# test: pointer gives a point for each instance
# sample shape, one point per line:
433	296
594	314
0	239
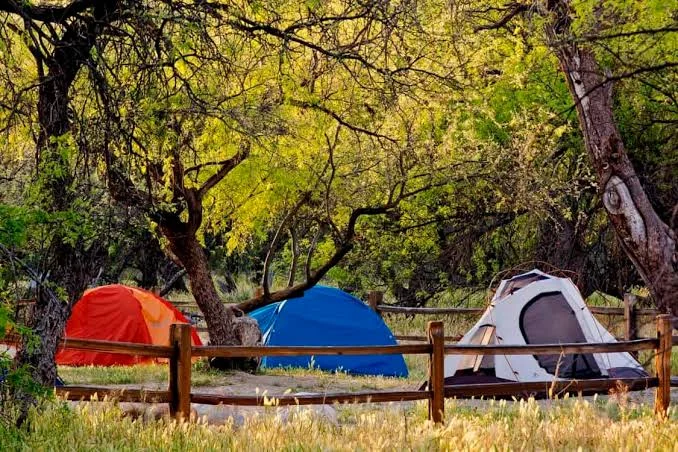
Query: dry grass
564	425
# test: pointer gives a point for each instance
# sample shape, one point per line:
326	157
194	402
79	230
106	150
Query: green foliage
336	115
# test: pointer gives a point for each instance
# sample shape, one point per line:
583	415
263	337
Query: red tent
122	314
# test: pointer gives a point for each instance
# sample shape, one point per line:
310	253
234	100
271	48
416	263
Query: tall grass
564	425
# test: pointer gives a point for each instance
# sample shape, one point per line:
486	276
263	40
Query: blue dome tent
328	316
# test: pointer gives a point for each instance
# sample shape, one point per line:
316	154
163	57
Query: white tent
537	308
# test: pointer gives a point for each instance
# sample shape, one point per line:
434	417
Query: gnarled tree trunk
69	264
647	240
222	324
189	251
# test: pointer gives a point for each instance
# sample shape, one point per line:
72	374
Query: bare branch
337	117
295	256
226	168
276	238
48	14
173	280
516	9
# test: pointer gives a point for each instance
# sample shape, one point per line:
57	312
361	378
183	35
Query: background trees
516	73
600	48
161	101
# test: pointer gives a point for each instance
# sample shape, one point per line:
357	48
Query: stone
247	331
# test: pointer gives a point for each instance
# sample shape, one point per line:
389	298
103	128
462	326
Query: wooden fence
180	354
631	313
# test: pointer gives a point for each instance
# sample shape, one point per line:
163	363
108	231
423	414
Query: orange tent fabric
122	314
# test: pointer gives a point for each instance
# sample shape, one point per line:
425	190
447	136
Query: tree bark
186	247
70	264
296	290
647	240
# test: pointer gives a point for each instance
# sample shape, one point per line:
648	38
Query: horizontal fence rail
122	395
551	349
404	337
428	311
124	348
259	351
556	387
128	348
311	399
603	310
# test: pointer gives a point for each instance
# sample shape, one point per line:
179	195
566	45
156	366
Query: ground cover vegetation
415	147
565	425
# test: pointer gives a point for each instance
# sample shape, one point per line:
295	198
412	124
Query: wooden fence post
663	365
436	372
374	299
180	371
630	323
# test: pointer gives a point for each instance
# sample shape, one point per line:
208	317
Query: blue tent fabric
328	316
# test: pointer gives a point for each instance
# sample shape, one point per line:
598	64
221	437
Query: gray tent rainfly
537	308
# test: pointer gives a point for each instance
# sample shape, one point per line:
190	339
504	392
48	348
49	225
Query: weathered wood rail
181	352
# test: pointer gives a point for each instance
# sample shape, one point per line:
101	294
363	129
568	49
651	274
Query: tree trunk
185	246
646	239
69	264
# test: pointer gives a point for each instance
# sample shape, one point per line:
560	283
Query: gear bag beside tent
537	308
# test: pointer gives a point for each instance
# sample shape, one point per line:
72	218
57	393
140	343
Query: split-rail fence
181	353
630	312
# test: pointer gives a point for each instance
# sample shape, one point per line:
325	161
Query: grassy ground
564	425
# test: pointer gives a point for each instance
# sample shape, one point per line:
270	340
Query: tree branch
226	168
274	243
339	119
295	256
173	280
313	277
48	14
516	9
